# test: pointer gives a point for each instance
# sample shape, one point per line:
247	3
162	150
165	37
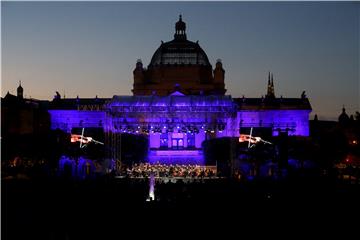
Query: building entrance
177	141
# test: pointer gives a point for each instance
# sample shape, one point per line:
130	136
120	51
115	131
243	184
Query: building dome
180	50
181	66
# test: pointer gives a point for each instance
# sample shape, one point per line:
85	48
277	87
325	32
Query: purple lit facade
178	104
290	115
176	125
66	120
295	122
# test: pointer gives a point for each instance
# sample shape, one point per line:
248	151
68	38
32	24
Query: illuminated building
179	102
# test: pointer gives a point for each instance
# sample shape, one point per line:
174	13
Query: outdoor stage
169	172
175	179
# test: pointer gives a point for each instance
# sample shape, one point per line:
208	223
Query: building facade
179	102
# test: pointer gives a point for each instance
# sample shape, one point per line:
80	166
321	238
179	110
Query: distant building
344	119
350	127
23	116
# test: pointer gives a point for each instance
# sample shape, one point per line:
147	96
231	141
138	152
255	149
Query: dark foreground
113	208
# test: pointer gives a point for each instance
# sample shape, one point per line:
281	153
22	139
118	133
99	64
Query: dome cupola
180	28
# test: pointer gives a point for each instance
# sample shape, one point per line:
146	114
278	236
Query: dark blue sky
90	48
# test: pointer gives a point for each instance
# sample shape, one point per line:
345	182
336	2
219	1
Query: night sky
90	48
